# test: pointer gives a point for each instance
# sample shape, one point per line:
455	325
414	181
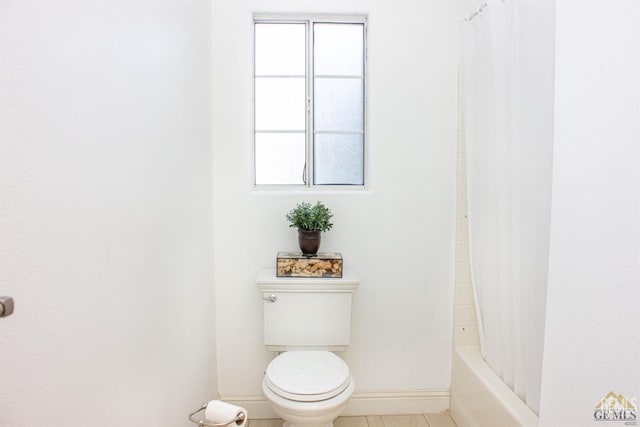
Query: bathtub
480	398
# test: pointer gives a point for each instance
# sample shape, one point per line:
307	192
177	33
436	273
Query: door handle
272	297
6	306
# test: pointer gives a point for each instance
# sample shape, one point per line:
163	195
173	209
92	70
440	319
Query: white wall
398	236
105	212
592	338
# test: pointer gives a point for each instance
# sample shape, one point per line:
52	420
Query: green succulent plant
310	217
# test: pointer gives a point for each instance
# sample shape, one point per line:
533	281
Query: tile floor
427	420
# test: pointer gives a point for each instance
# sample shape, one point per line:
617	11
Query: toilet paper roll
219	412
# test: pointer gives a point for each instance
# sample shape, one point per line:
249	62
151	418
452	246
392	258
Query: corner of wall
465	325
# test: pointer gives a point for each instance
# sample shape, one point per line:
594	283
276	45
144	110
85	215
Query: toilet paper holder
238	420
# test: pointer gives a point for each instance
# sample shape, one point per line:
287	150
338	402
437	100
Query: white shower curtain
507	97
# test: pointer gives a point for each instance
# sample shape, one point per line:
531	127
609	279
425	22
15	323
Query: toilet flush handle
272	297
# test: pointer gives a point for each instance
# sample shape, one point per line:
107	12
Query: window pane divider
279	131
280	76
309	166
339	132
337	76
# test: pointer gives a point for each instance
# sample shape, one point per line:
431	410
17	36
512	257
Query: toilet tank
306	313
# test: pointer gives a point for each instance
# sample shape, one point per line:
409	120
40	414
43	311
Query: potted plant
311	221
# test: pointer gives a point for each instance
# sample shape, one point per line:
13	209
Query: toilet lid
307	376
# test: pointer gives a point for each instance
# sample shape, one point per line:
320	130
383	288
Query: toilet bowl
308	388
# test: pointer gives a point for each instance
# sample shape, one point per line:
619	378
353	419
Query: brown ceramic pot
309	242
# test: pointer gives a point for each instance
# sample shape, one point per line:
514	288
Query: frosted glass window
280	158
339	49
338	104
339	159
280	103
280	49
309	100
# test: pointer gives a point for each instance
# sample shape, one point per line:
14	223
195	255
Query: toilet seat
307	376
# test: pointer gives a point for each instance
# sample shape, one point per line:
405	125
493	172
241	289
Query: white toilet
307	320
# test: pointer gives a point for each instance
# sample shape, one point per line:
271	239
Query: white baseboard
378	403
395	403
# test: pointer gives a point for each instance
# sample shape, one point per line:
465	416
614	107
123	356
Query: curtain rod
478	11
479	8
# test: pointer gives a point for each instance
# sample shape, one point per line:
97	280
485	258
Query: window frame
309	20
